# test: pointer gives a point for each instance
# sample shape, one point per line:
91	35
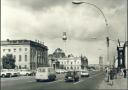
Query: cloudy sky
46	20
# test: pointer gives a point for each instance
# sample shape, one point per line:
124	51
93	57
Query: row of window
70	62
14	50
22	67
77	67
20	58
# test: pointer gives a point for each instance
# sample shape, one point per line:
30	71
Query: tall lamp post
106	22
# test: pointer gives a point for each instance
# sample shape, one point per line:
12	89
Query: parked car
71	76
25	72
60	71
85	73
9	73
14	72
4	73
45	73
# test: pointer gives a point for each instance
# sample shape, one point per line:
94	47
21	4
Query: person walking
111	76
115	73
107	74
124	73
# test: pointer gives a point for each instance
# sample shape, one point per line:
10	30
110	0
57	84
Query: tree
8	62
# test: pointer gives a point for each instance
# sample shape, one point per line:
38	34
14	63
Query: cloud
47	19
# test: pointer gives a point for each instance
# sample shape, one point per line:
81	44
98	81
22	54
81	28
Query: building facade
73	63
122	55
28	54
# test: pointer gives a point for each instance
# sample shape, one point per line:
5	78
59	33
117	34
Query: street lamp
106	22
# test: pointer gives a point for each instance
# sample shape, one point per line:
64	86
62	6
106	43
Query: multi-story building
28	54
73	63
101	63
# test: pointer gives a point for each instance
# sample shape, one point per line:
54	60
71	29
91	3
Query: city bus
45	73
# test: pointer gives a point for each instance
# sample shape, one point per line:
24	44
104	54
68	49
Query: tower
64	38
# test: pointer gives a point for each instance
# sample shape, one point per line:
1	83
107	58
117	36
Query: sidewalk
119	83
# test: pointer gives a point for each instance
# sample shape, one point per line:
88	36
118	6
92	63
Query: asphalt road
29	83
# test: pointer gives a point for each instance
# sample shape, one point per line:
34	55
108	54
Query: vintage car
72	76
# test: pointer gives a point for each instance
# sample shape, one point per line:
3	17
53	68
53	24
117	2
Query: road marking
78	82
90	77
87	78
32	81
53	81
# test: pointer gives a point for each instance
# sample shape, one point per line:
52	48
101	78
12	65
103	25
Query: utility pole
107	39
105	19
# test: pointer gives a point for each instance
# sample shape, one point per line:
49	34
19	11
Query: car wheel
3	75
54	78
37	80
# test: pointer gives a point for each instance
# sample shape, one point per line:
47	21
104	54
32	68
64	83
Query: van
45	73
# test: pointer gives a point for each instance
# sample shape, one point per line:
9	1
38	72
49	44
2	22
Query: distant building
101	62
53	62
73	63
58	60
28	54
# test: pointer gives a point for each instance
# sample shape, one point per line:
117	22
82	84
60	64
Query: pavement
29	83
118	84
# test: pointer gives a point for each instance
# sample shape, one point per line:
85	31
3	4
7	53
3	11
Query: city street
64	45
29	83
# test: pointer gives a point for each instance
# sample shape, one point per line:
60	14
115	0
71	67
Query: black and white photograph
64	45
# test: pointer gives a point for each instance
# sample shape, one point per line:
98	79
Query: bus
45	73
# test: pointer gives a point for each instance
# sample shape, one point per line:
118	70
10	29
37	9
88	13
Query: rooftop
23	42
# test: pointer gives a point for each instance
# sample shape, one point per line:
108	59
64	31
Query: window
77	67
19	49
25	66
14	50
71	62
19	66
3	50
25	57
74	67
25	49
67	67
9	50
71	67
19	57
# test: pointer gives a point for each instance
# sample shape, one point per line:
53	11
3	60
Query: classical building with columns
28	54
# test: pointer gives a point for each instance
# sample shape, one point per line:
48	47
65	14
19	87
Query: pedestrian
111	76
107	74
115	73
124	73
121	73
